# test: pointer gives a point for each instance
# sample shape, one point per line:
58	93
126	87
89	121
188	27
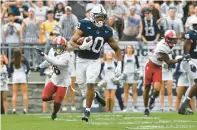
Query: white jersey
4	78
129	64
161	47
60	65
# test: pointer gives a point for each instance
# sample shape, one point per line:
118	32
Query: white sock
25	109
88	109
13	109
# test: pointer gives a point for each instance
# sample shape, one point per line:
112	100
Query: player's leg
119	92
48	92
107	100
59	97
5	104
15	87
134	91
126	95
157	80
81	67
147	85
72	94
24	87
169	90
92	74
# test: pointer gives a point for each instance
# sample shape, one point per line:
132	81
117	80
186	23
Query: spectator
173	23
30	30
79	8
111	23
88	15
19	9
118	12
12	30
4	81
40	9
132	26
92	4
150	28
188	13
68	23
107	74
19	69
172	3
167	80
155	11
58	11
46	29
189	19
130	61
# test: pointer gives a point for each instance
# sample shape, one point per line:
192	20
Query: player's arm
64	61
44	64
187	44
113	44
72	44
167	59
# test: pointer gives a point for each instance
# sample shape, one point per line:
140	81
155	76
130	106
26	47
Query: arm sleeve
11	69
26	63
63	61
44	64
137	62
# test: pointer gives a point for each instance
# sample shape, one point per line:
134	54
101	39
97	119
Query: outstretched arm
166	58
63	61
113	44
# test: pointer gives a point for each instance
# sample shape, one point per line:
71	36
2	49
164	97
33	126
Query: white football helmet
97	12
194	24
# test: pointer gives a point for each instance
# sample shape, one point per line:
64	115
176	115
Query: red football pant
152	73
50	89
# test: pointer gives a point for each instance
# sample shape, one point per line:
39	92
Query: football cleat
54	116
86	116
146	112
185	109
13	112
100	99
151	103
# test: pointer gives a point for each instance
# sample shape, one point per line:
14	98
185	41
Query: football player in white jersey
60	78
153	68
190	66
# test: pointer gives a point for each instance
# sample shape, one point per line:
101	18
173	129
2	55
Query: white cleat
73	108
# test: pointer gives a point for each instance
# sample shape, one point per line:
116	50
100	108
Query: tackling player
88	63
153	68
60	78
190	66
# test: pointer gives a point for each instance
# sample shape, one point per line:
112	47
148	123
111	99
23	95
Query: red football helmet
59	44
170	38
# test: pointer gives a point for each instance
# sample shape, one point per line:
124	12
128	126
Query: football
80	40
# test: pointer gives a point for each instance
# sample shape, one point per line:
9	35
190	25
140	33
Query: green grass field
100	121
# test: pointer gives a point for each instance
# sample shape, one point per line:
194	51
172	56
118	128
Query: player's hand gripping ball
81	40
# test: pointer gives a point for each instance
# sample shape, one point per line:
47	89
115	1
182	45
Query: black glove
40	51
187	57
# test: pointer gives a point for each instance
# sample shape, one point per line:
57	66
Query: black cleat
24	112
86	116
151	103
13	112
100	99
54	116
146	112
185	109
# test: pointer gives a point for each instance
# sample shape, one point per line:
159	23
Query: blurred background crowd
27	24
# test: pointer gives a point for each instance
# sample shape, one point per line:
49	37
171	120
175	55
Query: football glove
40	52
86	44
